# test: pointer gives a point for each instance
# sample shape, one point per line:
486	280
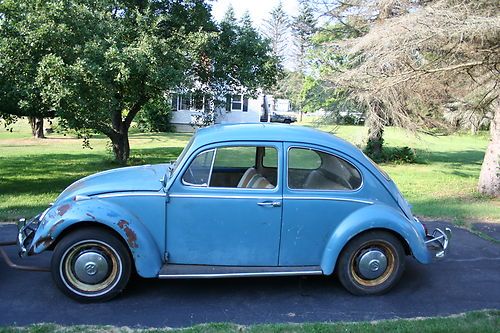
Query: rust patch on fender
131	236
63	209
54	227
44	241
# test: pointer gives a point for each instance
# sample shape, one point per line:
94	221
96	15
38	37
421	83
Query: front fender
377	216
139	240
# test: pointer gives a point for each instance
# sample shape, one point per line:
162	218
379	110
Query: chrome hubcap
91	267
372	264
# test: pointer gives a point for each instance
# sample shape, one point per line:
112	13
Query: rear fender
377	216
144	250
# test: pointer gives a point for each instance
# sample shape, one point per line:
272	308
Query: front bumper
26	233
437	242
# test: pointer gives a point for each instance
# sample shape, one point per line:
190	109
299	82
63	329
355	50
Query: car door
225	206
322	188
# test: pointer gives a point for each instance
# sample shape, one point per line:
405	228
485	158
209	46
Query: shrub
398	155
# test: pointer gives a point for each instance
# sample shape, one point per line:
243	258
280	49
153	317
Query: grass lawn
441	185
479	321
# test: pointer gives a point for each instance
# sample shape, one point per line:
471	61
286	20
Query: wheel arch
144	251
373	218
91	224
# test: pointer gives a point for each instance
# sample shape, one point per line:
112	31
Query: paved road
468	279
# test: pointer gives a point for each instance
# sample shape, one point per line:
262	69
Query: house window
239	103
188	102
185	102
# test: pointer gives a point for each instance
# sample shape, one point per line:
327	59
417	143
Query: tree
276	28
303	28
293	85
411	65
100	62
351	21
26	35
236	61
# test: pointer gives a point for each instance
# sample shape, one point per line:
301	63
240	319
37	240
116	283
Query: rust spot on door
131	236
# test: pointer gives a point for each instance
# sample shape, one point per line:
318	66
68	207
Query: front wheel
91	265
371	263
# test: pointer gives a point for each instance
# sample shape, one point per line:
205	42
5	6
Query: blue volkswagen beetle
241	200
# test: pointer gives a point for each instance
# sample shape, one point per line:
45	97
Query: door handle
269	203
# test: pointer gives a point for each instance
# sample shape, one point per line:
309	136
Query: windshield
181	156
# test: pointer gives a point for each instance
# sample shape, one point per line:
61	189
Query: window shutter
228	103
245	104
174	102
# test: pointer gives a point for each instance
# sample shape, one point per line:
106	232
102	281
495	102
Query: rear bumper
437	242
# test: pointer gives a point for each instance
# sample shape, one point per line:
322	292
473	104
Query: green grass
479	321
442	185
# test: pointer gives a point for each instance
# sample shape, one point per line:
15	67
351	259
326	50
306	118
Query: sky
259	9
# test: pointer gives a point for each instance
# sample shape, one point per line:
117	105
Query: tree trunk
375	141
121	147
36	127
120	127
119	138
489	178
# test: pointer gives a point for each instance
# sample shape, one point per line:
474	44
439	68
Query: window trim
185	183
321	190
270	144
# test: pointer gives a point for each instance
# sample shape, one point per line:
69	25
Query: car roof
271	132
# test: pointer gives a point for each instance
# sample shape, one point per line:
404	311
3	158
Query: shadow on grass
39	174
460	210
454	158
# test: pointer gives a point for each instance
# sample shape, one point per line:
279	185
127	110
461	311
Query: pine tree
276	28
303	28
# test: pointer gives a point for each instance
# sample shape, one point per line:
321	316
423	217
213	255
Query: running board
173	271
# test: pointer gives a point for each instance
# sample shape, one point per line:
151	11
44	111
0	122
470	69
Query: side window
299	158
235	157
198	173
316	170
234	167
270	159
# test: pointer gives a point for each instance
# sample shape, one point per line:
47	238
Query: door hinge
165	257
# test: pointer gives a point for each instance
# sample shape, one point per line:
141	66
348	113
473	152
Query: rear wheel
91	265
371	263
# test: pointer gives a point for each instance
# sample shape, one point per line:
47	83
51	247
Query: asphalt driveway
468	279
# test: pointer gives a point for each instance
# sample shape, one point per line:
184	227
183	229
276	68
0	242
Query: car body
285	118
241	200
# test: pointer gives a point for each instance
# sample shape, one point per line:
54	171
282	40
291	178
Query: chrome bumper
438	242
26	232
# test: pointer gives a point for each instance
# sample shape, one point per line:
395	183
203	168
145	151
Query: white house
188	108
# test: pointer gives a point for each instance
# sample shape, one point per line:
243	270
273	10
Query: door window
251	167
